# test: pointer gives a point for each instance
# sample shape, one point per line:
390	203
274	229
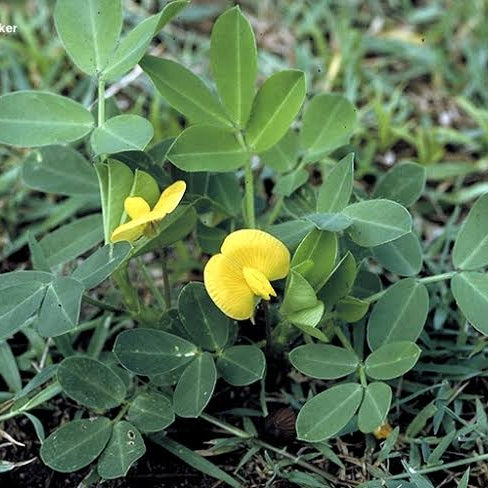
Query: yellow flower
383	431
240	275
141	214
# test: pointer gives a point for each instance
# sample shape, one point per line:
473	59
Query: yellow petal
227	288
169	199
130	231
136	207
256	249
258	283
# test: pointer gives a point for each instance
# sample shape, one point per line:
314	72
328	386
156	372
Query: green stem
129	292
426	280
249	189
439	277
258	442
225	426
275	212
152	285
122	412
297	461
443	467
342	337
101	102
362	377
101	305
166	284
46	394
269	332
250	216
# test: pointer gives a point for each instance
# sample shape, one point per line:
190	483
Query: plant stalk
101	102
426	280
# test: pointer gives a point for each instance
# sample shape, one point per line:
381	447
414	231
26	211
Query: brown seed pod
280	425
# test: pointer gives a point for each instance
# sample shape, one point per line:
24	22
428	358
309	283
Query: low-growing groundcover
235	295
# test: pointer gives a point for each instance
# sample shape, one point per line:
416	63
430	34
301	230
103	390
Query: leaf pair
78	443
55	300
213	145
199	324
327	413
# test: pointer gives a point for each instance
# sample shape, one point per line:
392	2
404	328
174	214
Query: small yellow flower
383	431
141	214
240	275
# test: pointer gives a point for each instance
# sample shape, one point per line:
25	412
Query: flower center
258	283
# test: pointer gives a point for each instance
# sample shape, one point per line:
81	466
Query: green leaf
21	294
145	186
366	284
185	91
170	10
335	192
288	184
195	387
60	308
319	247
76	444
36	118
131	49
283	156
277	103
351	309
195	460
134	45
9	370
115	180
101	264
91	383
327	413
392	360
404	183
38	258
204	322
59	169
328	122
71	240
205	148
122	133
234	63
470	290
220	192
374	409
399	315
144	161
329	221
210	238
291	233
463	483
340	281
299	294
125	447
149	352
151	412
308	318
324	361
241	365
402	256
89	31
377	222
471	246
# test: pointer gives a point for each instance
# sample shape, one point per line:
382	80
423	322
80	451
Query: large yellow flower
141	214
240	275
